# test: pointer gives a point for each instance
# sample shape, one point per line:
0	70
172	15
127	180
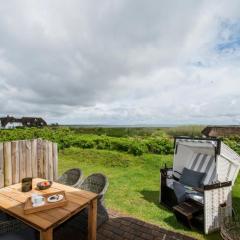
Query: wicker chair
72	177
9	224
13	229
97	183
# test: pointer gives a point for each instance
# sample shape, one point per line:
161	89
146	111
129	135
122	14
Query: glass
26	184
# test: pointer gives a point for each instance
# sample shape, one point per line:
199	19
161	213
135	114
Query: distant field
188	130
132	140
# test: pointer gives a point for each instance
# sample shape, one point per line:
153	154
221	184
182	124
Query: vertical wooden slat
7	163
55	161
40	158
50	161
15	162
1	166
22	159
34	158
28	159
45	159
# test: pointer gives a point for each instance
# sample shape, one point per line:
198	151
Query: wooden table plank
58	186
12	201
21	198
74	202
85	194
15	209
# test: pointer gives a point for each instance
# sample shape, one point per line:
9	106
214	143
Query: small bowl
40	187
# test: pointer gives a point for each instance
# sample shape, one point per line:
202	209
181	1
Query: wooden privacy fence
27	158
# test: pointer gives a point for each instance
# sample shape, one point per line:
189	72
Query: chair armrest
164	171
217	185
201	190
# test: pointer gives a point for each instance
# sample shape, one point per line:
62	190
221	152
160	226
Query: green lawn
134	183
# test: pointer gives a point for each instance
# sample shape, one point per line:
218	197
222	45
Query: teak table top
12	201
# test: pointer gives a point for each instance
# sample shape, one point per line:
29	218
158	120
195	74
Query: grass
134	183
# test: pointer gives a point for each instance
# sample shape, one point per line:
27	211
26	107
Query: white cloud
121	62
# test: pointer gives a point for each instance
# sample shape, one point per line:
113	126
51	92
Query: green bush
137	148
233	142
66	137
119	144
103	143
161	145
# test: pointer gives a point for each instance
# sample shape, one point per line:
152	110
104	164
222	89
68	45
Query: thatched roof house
221	131
12	122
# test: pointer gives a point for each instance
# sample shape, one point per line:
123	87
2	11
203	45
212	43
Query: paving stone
123	227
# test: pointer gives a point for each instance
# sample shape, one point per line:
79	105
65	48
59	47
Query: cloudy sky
121	61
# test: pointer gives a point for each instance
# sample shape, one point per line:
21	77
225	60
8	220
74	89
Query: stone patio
122	227
119	227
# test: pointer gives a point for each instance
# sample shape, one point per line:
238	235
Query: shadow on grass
236	205
153	197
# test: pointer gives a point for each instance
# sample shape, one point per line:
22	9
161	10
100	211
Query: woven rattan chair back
72	177
97	183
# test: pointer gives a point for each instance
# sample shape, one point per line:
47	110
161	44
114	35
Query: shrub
160	145
137	148
66	137
119	144
233	142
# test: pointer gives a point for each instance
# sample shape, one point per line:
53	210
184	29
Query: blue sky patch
229	37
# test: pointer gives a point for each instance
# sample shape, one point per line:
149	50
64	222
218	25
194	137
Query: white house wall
13	125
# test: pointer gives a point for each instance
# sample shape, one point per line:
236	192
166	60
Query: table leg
46	235
92	220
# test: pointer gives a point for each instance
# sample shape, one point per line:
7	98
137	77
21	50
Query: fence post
22	159
45	160
39	158
15	162
28	159
34	158
55	161
7	163
50	161
1	166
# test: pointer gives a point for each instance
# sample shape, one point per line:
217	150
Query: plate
55	198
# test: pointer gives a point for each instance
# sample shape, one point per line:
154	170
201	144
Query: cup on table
37	200
26	184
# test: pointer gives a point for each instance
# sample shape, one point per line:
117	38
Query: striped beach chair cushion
204	163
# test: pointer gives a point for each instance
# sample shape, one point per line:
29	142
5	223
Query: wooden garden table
12	202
